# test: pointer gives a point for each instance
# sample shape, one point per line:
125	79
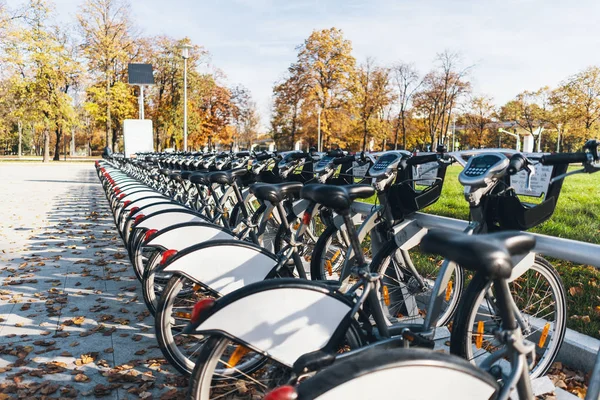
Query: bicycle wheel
305	250
406	291
228	370
540	297
329	254
173	313
153	283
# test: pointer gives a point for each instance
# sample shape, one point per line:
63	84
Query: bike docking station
137	133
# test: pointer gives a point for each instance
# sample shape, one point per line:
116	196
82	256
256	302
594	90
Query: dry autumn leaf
78	320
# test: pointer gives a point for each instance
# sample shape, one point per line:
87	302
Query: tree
478	120
326	65
45	70
289	96
370	94
440	92
405	80
109	44
529	110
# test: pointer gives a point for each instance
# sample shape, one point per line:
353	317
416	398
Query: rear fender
282	318
188	234
223	266
147	211
124	212
159	221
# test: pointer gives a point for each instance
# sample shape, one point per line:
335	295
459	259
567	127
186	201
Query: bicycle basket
415	192
508	212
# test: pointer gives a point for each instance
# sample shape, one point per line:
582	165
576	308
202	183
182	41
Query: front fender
185	235
282	318
223	265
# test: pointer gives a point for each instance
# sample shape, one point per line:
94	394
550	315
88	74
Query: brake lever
530	171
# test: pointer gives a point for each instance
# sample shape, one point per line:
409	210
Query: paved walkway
72	321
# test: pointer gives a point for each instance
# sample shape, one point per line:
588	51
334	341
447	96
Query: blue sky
513	45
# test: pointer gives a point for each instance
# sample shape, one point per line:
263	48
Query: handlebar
422	159
517	163
263	157
563	158
299	156
343	160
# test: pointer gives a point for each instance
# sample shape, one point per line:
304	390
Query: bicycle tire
210	356
462	334
380	265
163	327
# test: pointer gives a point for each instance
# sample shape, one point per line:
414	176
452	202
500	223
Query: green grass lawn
577	217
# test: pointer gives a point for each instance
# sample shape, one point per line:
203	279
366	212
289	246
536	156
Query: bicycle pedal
417	340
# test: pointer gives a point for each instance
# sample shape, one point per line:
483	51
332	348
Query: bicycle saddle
488	253
275	193
186	174
200	178
336	197
226	177
176	176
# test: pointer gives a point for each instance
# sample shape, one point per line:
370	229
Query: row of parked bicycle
266	278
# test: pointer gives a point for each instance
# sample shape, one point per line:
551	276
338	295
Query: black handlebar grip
263	157
242	154
563	158
343	160
416	160
298	156
517	163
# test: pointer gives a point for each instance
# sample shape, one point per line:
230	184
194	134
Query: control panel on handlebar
387	161
482	167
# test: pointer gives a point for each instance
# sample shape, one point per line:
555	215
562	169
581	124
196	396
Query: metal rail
563	249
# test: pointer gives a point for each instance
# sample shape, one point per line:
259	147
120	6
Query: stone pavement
72	320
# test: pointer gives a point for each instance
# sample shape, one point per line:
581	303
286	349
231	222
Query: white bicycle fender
223	268
521	265
284	322
186	236
449	384
408	234
151	209
165	219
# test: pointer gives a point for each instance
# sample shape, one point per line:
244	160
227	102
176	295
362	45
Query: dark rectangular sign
140	74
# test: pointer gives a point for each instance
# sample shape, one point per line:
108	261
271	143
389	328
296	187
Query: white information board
359	171
539	181
425	173
137	136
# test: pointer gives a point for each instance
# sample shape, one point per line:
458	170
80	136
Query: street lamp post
319	129
185	55
558	126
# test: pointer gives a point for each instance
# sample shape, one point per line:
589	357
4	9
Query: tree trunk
46	145
109	135
20	149
365	132
57	146
403	130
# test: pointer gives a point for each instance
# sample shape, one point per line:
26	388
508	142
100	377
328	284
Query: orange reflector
296	225
336	255
237	355
186	315
386	295
448	291
479	336
544	335
328	267
197	287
